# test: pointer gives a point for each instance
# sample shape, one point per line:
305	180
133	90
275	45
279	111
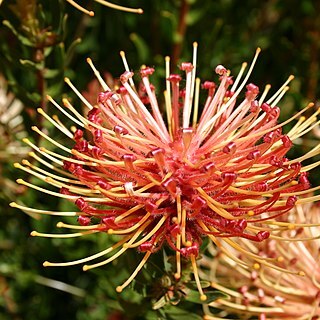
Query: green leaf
25	41
194	16
176	313
141	46
31	65
55	89
160	303
194	296
71	50
51	73
193	285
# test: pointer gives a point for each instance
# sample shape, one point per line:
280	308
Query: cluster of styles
217	169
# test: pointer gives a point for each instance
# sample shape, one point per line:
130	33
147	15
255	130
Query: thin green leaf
194	296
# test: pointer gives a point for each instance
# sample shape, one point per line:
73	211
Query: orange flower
269	293
223	176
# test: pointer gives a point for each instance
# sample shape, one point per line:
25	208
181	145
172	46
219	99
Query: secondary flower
268	293
11	132
222	175
104	3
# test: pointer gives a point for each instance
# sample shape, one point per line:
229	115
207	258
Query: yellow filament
230	292
59	156
38	211
261	133
75	189
78	7
110	133
203	297
97	161
315	151
61	224
179	209
237	306
187	101
233	244
97	75
125	231
19	166
146	187
68	105
177	275
290	78
120	8
296	127
121	251
280	96
127	213
236	82
133	275
264	94
194	63
249	192
183	225
76	91
49	174
95	256
309	126
296	239
49	165
148	236
60	123
232	99
215	206
56	194
228	253
168	112
310	167
62	110
156	182
196	103
126	66
278	287
61	236
54	182
28	142
55	123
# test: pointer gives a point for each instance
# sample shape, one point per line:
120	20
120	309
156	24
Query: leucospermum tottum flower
176	180
268	293
11	132
11	124
107	4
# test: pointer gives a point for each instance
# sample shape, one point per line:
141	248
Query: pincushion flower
11	132
175	180
268	293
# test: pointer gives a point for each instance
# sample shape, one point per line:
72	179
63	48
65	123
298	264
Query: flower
11	122
105	3
175	181
11	131
269	293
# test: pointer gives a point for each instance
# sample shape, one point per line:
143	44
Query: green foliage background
43	41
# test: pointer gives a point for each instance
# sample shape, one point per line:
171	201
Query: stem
180	33
41	88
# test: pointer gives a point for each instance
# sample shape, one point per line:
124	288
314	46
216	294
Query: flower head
268	293
11	131
175	181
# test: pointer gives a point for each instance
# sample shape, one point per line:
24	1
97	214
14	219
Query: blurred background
43	41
